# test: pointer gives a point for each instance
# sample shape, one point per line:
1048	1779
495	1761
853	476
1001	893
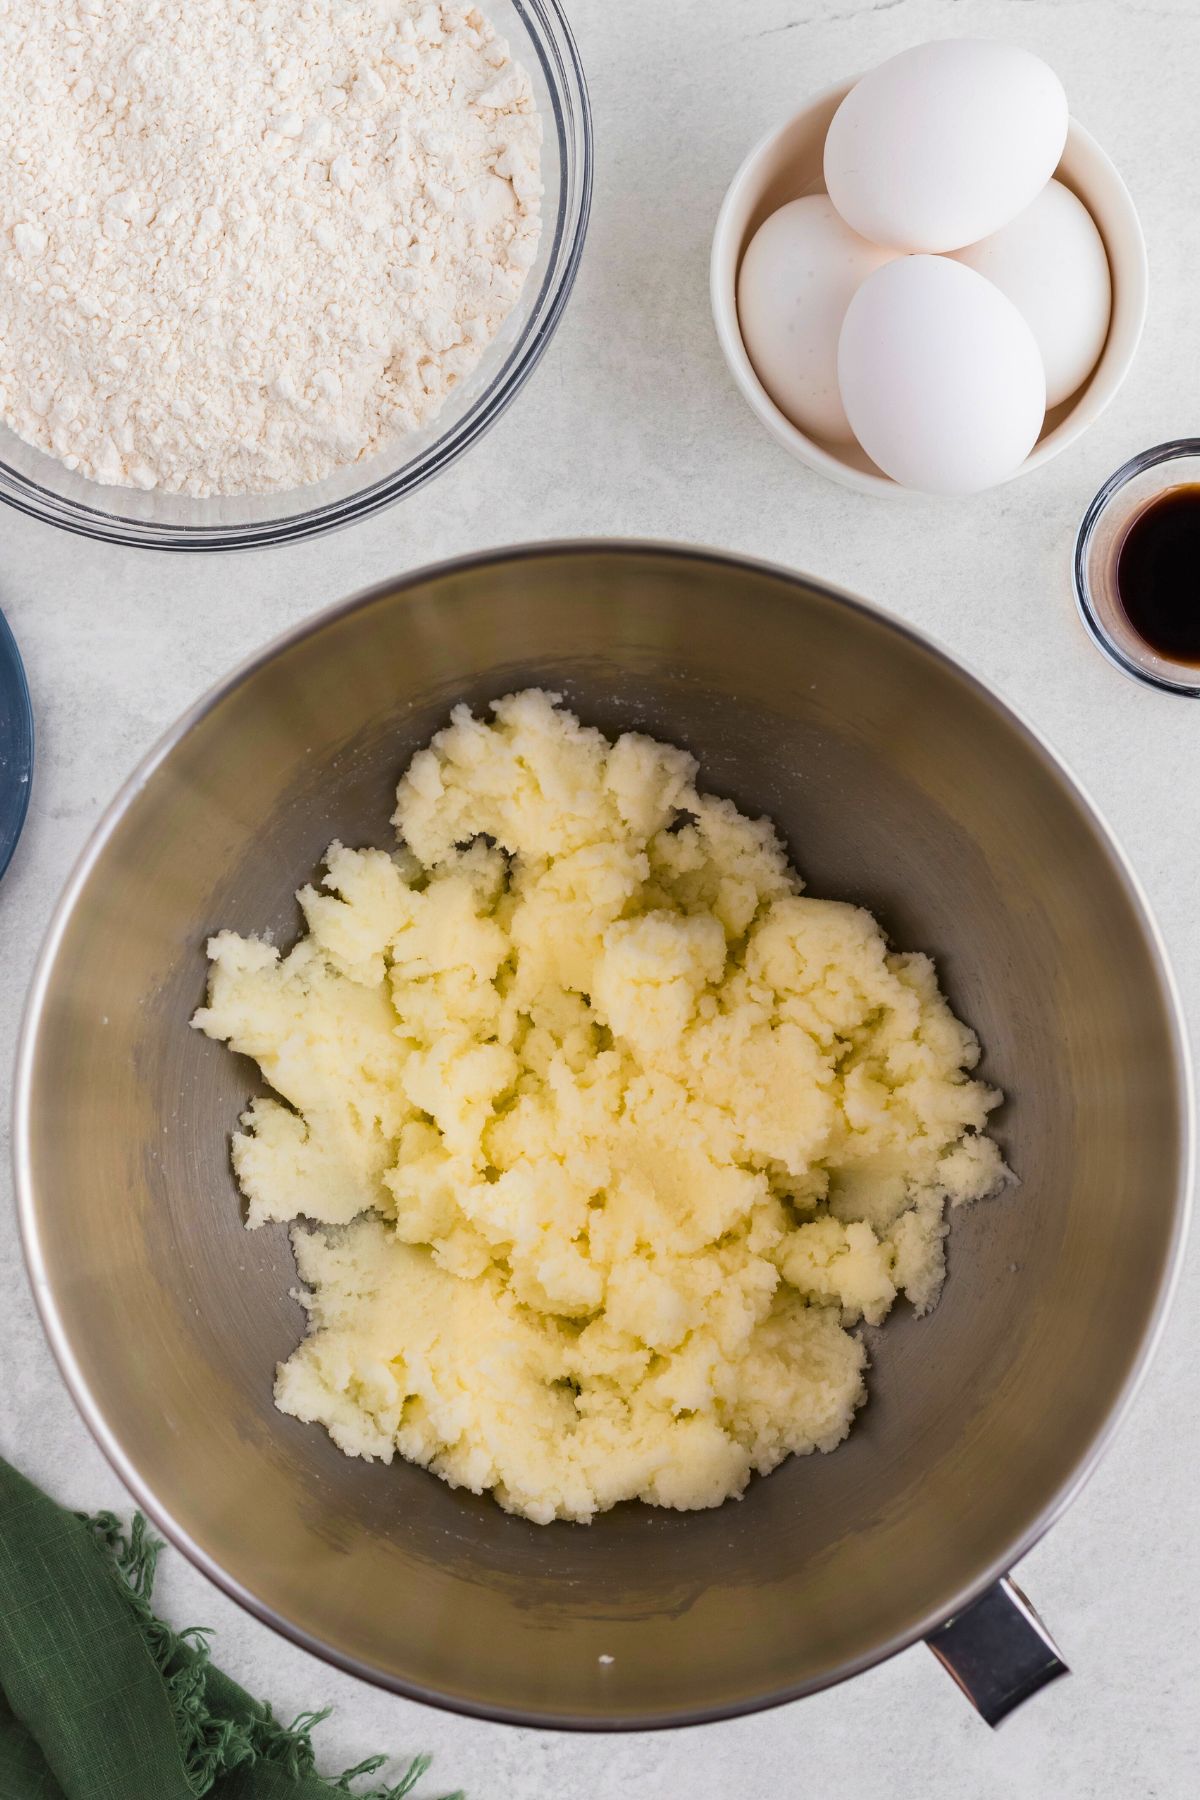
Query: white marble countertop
632	426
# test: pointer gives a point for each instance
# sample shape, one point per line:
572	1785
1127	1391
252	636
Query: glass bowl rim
571	127
1171	450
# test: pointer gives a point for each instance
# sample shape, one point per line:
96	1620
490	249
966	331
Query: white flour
245	242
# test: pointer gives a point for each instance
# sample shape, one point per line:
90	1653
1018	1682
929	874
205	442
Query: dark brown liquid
1158	574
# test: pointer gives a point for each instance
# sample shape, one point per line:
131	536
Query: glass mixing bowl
41	486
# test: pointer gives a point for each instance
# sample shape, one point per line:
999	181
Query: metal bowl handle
998	1651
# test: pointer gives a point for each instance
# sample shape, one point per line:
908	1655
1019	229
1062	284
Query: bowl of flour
265	270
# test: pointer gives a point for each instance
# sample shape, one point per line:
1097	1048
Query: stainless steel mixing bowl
900	782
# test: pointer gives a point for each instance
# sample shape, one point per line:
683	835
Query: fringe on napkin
214	1746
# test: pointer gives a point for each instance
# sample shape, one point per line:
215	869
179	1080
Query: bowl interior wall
899	784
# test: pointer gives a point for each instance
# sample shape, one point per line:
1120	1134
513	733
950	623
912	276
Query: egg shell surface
800	272
941	378
1051	262
945	143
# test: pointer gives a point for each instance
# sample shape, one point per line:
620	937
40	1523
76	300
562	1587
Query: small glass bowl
40	485
1124	496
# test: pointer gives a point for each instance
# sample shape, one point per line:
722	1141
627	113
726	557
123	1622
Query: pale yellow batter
607	1136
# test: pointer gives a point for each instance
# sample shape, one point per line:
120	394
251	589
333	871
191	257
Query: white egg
798	276
1051	262
945	143
941	377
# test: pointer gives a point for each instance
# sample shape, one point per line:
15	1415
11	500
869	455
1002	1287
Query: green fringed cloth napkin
99	1700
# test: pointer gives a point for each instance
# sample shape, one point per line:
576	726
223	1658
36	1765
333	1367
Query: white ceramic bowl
787	164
